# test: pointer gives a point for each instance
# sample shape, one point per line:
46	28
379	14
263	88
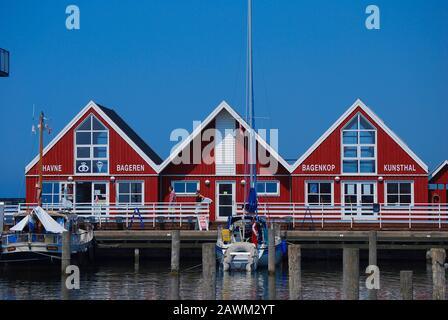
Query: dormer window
359	146
91	147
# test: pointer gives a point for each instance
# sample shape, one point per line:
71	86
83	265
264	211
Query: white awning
47	221
49	224
22	223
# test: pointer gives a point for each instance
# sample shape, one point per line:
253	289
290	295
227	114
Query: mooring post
272	295
406	285
295	269
271	249
65	251
173	292
373	293
136	256
209	270
65	262
438	273
175	250
350	290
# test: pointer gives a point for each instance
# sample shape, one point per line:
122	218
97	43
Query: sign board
203	223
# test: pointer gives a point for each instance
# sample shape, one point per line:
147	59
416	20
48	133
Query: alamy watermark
373	21
73	20
72	282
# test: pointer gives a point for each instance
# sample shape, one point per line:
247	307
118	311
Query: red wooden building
212	160
96	159
359	161
438	184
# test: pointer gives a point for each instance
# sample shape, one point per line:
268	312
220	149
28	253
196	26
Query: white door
358	199
225	200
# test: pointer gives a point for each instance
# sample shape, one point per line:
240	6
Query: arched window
91	147
359	146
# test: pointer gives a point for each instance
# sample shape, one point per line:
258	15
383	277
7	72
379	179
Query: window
441	187
50	193
185	187
130	193
91	147
359	146
319	193
399	193
268	188
432	186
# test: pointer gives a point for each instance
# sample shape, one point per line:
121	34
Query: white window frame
56	185
186	194
117	192
358	147
399	204
319	204
269	194
91	159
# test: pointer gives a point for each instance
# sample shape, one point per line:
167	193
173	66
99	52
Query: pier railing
153	213
433	215
381	214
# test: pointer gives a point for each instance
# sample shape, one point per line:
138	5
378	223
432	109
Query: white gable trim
376	119
69	126
222	106
437	170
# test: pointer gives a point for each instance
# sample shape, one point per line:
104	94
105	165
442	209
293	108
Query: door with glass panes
358	199
225	200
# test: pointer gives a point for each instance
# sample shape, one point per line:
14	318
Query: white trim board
109	121
437	170
222	106
375	118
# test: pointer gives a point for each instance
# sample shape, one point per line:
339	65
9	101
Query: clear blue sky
163	63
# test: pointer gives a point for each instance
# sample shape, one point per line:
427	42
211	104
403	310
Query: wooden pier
397	240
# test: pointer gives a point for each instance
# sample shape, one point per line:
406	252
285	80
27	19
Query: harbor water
150	280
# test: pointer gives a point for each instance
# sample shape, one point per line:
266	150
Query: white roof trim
437	170
109	121
376	119
222	106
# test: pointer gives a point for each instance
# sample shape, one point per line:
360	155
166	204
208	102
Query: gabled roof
222	106
376	119
438	168
118	124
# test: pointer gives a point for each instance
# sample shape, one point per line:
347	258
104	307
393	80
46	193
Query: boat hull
263	255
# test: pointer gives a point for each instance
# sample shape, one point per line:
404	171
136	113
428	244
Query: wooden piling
406	285
373	293
438	273
66	251
295	269
271	250
272	294
174	288
209	271
350	289
136	256
175	251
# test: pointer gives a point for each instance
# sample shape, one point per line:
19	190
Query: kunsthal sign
399	167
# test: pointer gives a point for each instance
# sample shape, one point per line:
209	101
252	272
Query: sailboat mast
252	148
41	154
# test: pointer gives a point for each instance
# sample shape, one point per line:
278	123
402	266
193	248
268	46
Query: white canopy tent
49	224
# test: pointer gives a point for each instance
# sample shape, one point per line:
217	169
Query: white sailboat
243	244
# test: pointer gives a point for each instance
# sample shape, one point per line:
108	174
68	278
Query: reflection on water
151	280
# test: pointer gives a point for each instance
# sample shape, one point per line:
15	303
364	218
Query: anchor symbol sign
99	165
83	167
